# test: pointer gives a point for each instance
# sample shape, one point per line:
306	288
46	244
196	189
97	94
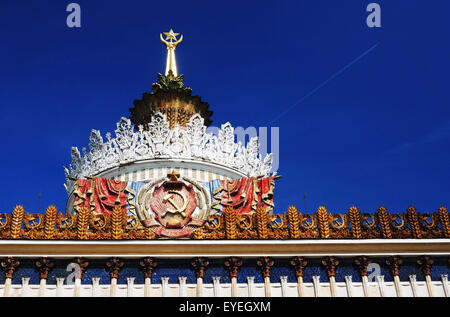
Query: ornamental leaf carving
191	142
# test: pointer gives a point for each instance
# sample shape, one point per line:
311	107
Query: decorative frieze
344	284
230	225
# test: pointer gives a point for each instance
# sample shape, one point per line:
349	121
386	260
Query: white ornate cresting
159	142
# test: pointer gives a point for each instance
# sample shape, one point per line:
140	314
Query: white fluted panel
224	289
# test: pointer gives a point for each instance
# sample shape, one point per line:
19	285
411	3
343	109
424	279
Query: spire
169	95
171	43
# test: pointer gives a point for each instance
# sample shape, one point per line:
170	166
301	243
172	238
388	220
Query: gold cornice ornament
171	43
86	225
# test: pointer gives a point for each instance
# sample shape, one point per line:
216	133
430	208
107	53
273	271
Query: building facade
167	209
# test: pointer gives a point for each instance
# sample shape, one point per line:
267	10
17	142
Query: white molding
172	163
131	290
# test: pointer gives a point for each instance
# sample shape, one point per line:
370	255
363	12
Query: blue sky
363	113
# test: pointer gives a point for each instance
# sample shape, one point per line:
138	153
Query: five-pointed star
171	35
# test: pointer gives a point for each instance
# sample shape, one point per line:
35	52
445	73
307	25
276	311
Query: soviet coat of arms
173	203
173	208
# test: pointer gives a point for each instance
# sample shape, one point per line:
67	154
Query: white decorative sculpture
159	142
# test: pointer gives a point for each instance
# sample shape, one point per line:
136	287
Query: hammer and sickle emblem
169	198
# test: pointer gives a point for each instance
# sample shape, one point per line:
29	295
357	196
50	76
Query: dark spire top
170	97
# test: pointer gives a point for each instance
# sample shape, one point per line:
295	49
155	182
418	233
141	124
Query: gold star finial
171	43
173	176
171	35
